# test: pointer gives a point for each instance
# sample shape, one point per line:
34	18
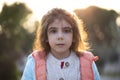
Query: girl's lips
60	45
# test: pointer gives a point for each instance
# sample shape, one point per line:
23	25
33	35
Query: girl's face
60	36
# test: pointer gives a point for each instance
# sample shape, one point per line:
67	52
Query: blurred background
20	18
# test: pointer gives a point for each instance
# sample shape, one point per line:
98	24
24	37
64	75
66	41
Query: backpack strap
40	65
86	60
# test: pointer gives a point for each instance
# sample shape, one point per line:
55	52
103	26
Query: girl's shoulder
38	54
81	53
88	55
30	59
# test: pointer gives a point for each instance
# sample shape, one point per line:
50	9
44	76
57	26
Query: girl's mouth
60	45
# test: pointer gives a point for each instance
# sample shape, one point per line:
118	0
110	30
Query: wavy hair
79	34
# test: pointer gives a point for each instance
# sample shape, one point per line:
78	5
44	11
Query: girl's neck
61	55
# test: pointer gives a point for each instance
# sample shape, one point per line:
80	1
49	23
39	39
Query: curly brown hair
79	34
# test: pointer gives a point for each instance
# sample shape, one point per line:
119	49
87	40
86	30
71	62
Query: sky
40	7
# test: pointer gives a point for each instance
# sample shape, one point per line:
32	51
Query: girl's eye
53	31
68	30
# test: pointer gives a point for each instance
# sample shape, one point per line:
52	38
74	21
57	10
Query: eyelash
65	31
53	31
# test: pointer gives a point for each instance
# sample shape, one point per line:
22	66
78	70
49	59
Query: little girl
60	52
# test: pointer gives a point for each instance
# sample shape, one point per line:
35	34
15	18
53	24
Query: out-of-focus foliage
103	32
14	39
100	24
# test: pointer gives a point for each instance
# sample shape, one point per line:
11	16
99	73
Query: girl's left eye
67	30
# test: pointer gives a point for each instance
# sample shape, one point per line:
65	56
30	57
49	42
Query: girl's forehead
58	22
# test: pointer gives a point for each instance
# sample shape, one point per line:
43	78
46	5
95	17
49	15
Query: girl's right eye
53	31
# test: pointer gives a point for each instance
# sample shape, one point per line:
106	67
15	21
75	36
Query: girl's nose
60	35
60	38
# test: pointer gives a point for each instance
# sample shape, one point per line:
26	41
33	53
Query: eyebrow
52	28
67	27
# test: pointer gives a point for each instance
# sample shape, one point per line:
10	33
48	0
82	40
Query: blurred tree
102	31
13	38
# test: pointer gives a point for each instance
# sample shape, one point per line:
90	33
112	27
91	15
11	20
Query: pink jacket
86	60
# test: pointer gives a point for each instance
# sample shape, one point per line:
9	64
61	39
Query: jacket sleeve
28	73
95	71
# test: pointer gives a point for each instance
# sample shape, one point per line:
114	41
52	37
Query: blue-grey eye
67	30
